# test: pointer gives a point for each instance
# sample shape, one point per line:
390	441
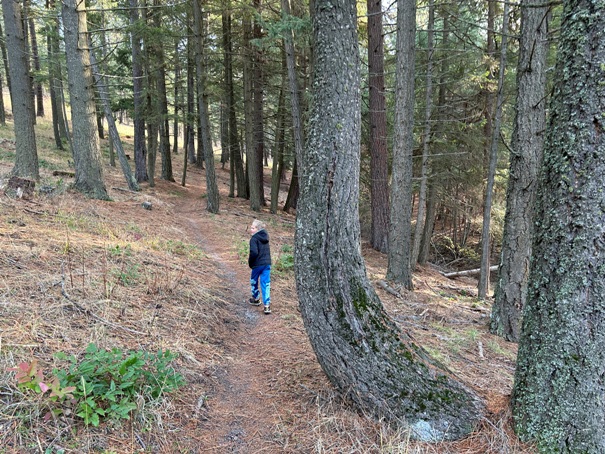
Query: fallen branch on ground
468	272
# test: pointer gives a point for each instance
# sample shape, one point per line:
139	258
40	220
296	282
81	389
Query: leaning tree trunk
560	382
359	348
511	289
86	152
114	135
26	155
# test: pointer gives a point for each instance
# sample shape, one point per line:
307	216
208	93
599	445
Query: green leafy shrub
103	385
127	275
107	383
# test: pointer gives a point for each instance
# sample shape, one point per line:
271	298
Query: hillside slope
75	271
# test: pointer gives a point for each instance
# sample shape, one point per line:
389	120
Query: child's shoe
267	309
254	302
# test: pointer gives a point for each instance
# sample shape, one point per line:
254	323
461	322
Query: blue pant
262	274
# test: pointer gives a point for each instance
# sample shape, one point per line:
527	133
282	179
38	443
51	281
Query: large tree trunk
360	349
140	151
559	384
26	155
527	140
86	152
212	195
483	285
379	172
399	266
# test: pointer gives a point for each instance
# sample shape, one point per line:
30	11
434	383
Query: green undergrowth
101	385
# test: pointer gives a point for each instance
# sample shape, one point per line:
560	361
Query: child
260	262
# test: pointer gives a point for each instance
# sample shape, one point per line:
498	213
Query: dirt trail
238	414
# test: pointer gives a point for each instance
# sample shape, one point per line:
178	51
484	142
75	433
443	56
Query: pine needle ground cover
86	282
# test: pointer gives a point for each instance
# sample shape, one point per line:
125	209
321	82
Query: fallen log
468	272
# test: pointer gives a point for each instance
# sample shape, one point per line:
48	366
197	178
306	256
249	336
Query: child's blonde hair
260	225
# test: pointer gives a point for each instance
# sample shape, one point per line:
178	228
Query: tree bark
26	155
379	172
280	130
56	112
114	135
483	286
510	293
559	384
140	151
212	195
257	199
55	83
360	349
399	256
162	97
86	153
36	60
190	134
178	103
236	166
295	101
5	57
426	139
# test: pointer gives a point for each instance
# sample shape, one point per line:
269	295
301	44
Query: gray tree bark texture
399	267
212	194
236	165
483	286
140	151
528	138
111	126
560	380
425	167
379	167
86	151
381	370
26	155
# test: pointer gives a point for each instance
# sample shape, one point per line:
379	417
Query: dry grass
75	271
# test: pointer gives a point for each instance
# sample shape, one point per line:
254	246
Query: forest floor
75	271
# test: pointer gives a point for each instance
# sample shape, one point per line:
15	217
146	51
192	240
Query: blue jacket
260	252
